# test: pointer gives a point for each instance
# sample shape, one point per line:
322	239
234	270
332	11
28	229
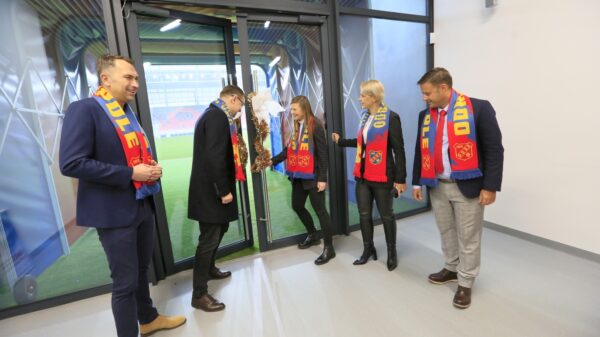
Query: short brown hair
108	60
437	76
232	90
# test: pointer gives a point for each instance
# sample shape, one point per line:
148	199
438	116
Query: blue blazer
90	150
489	150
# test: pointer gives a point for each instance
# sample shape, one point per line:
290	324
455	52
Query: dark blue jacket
489	150
90	150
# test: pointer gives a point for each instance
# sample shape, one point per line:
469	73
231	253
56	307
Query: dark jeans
208	243
317	200
365	193
129	252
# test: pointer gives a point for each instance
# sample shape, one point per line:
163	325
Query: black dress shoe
392	261
217	274
207	303
328	254
462	298
368	251
443	276
311	240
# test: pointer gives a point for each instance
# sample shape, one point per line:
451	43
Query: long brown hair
304	104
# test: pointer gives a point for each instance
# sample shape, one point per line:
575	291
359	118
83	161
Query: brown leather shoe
443	276
462	298
207	303
161	323
217	274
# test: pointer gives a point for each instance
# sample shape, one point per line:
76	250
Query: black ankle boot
311	240
368	251
392	261
328	254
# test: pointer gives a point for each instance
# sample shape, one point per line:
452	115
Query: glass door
187	60
286	50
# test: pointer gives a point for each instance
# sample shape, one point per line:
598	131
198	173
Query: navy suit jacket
90	150
489	150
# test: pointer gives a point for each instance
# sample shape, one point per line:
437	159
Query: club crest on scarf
375	157
462	141
300	153
239	170
133	139
375	146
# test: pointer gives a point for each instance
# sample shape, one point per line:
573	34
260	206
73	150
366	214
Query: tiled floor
524	290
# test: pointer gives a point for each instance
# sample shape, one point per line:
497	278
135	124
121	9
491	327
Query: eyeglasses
240	99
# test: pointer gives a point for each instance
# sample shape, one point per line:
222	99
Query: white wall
538	62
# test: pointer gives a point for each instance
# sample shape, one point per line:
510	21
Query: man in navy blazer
458	193
92	150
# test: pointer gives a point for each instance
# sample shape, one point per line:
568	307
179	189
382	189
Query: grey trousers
459	220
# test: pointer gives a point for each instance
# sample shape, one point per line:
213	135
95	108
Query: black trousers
129	252
317	200
382	193
208	243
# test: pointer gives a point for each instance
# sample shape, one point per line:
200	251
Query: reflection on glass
46	61
290	54
368	54
418	7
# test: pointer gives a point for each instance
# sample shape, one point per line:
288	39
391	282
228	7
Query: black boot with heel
368	251
392	261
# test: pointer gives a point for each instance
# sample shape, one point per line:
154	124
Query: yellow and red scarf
461	139
133	139
239	170
301	154
376	146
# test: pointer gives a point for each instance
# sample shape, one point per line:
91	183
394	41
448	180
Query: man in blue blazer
103	145
459	156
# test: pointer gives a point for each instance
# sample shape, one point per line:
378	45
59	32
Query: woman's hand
321	186
335	137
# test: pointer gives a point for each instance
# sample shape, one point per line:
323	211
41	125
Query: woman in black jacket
306	156
380	168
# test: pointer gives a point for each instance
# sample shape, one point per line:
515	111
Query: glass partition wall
367	53
321	49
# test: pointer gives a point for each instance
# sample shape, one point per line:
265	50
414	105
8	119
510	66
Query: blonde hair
373	88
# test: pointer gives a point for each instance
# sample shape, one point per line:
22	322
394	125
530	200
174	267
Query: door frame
259	179
164	256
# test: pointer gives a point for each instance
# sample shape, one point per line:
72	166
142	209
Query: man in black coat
459	155
212	194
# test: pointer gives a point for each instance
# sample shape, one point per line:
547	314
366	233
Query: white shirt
366	130
300	131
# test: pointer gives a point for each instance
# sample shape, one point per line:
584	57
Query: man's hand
417	194
321	186
147	172
400	188
227	199
335	137
487	197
